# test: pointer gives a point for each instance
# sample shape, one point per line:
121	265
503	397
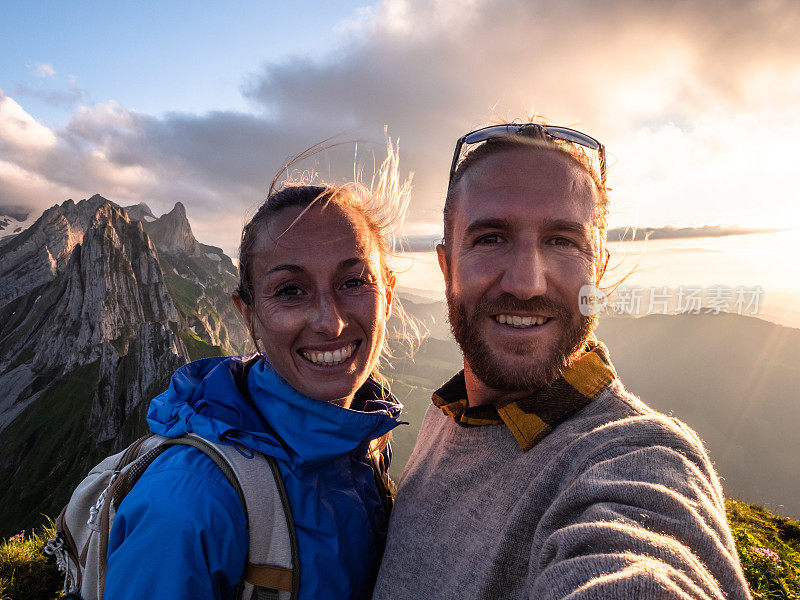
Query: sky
203	102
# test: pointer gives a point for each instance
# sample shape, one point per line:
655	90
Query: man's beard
489	366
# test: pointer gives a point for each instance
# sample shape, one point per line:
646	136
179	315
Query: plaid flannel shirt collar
534	416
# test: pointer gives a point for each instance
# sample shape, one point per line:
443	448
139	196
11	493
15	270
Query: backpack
83	527
272	571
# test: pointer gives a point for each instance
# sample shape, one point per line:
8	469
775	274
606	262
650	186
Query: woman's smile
330	356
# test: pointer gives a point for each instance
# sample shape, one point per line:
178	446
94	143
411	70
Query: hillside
734	380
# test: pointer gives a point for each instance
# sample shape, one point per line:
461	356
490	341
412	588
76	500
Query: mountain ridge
95	316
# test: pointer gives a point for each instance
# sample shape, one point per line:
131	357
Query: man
536	475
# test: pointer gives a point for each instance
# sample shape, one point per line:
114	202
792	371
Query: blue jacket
181	532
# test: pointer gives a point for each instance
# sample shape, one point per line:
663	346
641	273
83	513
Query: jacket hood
203	398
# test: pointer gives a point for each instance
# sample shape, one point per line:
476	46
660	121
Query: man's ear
441	254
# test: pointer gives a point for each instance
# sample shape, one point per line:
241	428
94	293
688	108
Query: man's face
522	246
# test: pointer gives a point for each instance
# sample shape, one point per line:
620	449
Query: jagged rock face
172	232
111	284
201	279
140	212
95	316
39	253
128	382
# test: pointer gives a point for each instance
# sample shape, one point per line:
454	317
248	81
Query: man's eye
561	241
485	240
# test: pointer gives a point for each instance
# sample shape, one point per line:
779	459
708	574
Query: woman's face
320	302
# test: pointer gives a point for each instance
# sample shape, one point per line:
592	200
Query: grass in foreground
25	572
769	548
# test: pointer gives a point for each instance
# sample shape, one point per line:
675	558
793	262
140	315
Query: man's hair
534	139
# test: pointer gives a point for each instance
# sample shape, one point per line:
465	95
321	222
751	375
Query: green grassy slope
25	572
43	480
769	548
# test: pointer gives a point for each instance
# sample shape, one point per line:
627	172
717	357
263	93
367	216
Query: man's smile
521	321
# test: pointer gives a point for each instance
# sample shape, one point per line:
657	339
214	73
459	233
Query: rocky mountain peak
140	212
110	284
94	318
172	232
38	254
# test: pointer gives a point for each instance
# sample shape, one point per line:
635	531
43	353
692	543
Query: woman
316	292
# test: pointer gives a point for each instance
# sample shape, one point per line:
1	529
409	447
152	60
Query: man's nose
525	275
327	317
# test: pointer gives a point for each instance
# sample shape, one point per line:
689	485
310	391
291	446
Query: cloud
626	234
717	82
696	102
44	70
66	95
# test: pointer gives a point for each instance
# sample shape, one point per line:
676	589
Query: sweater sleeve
645	522
181	533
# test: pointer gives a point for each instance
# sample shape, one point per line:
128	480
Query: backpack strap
130	467
273	565
272	569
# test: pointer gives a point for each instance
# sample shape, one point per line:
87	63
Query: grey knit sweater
619	501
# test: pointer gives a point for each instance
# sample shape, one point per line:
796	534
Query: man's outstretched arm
639	522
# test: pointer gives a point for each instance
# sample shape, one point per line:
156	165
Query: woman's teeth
329	358
517	321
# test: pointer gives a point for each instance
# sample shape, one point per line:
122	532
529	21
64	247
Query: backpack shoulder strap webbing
272	562
273	557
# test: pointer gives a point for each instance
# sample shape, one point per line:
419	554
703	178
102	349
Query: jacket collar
272	417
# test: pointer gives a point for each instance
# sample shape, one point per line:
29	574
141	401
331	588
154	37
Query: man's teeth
330	358
517	321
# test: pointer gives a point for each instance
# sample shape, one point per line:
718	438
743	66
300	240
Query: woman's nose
327	317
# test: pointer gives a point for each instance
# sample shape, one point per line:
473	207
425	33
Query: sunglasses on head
529	130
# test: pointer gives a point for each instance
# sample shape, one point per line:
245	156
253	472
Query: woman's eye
289	291
353	282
